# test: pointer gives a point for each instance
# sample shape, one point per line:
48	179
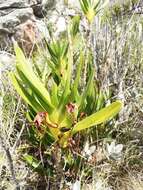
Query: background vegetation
109	157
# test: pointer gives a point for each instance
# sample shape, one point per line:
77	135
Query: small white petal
88	153
92	149
110	148
114	150
86	147
118	148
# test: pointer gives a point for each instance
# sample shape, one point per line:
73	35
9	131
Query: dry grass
118	47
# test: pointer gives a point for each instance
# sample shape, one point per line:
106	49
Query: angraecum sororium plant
64	99
59	111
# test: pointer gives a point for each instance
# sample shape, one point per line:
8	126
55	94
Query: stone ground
21	20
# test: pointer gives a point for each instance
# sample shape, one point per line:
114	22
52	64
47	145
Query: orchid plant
59	110
60	101
91	8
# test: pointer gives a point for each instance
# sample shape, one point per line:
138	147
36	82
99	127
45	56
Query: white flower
76	185
114	151
88	151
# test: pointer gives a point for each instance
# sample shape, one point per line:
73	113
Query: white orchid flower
114	151
88	150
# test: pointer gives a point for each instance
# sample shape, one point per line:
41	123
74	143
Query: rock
5	4
15	17
48	4
61	25
43	30
18	20
9	24
6	61
27	35
42	7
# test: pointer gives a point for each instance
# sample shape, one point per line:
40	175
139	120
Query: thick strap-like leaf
75	26
54	94
26	69
98	117
75	93
84	95
36	92
25	95
84	6
67	90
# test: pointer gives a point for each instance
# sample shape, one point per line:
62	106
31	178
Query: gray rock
43	30
10	21
48	4
6	61
14	18
18	20
42	7
4	4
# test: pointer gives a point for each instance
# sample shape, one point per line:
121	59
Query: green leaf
34	163
75	26
97	4
64	49
24	67
104	4
75	93
67	91
100	100
86	3
54	94
29	99
99	117
52	53
30	114
85	93
31	160
35	92
84	6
